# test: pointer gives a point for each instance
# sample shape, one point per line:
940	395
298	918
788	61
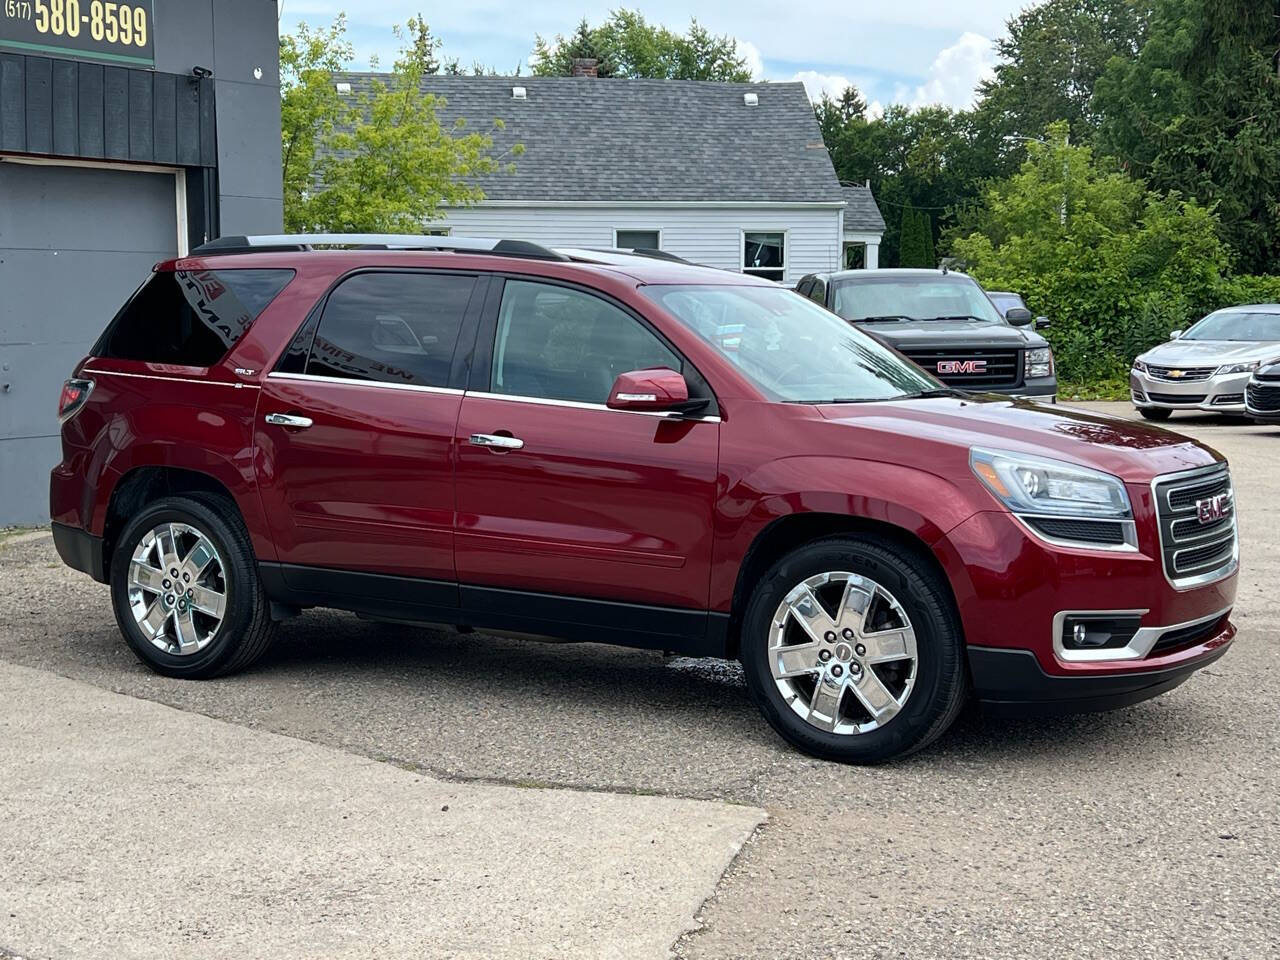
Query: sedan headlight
1237	368
1038	486
1139	366
1039	363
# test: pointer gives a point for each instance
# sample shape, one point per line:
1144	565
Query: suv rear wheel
853	651
186	591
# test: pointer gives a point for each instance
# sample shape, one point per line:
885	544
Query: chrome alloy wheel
843	653
177	589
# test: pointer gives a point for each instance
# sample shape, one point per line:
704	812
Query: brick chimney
586	67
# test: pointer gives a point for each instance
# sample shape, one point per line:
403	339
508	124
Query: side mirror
1176	335
1042	322
659	390
1018	316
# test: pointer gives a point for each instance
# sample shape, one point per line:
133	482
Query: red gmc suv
607	447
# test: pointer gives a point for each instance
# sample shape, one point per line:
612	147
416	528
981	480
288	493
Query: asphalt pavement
1152	831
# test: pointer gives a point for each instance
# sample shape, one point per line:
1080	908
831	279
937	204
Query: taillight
74	394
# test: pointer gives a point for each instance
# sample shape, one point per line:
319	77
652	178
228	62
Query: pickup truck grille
969	368
1196	514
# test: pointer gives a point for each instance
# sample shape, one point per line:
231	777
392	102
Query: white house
731	175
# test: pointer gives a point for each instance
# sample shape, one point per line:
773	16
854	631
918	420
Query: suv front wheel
853	651
185	588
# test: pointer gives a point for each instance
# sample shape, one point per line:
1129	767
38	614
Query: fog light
1085	632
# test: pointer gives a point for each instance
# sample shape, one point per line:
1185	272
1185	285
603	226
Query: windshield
790	348
1006	301
882	299
1236	325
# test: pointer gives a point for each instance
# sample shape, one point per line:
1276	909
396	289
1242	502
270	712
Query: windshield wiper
959	316
883	319
939	392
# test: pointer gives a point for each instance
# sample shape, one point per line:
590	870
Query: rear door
584	501
355	429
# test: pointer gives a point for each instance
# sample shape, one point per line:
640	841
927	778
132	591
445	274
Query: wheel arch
144	484
792	531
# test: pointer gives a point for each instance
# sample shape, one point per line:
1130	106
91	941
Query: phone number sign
80	29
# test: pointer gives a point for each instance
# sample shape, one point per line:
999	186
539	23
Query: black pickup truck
945	323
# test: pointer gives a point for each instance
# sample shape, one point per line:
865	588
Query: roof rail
374	241
617	255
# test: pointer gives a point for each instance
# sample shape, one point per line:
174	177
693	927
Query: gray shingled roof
863	213
643	140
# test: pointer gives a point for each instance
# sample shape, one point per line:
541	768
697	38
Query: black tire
247	629
941	684
1155	413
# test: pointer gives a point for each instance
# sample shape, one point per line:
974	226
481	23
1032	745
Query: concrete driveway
1149	832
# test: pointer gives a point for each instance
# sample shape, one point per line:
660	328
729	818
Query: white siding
708	236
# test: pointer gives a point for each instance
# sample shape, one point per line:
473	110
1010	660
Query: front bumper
1015	590
1011	683
1217	394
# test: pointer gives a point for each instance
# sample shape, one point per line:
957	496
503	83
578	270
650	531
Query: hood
1134	452
953	333
1204	353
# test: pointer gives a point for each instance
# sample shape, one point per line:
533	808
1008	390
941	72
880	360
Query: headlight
1237	368
1039	486
1139	366
1039	363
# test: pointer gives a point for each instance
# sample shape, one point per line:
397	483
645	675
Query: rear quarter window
190	317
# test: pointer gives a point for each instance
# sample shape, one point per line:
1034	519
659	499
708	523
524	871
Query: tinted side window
562	344
818	292
190	317
391	328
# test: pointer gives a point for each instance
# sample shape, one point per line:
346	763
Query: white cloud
955	73
816	84
755	62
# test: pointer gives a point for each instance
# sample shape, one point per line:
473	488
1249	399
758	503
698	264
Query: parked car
1262	396
611	448
1208	366
944	322
1006	301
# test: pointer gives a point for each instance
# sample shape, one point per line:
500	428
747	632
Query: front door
577	500
354	435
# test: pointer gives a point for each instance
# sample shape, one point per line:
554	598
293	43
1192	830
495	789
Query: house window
637	239
764	254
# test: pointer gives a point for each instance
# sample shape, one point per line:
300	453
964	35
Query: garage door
74	243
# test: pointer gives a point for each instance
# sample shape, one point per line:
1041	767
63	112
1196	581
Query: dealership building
129	132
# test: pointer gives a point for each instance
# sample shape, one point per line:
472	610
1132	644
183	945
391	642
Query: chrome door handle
287	420
497	442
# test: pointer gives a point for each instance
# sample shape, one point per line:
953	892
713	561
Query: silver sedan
1208	366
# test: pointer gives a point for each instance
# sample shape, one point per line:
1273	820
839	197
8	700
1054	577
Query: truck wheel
853	650
185	588
1155	413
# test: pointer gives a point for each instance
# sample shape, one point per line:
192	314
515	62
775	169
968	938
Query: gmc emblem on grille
962	366
1213	508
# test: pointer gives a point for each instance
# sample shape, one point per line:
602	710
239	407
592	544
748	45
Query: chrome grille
1187	374
1195	552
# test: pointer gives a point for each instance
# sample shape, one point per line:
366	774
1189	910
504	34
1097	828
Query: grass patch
1112	389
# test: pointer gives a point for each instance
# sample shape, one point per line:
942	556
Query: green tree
627	45
1198	111
911	247
929	255
1126	264
1050	61
378	161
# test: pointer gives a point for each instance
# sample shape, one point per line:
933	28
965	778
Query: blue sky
906	51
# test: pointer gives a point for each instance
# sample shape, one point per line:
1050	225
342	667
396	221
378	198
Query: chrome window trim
579	405
350	381
1220	572
1137	648
1128	525
171	379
